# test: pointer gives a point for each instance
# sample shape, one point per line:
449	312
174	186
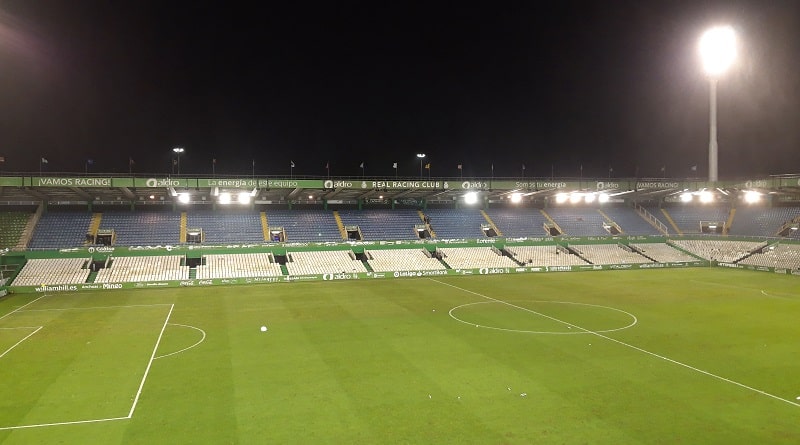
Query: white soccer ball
263	329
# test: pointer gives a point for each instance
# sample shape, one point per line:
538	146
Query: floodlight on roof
575	198
686	197
603	197
561	198
516	198
589	198
470	198
706	196
244	198
184	198
752	196
224	198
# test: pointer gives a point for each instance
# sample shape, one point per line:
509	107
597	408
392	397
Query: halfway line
653	354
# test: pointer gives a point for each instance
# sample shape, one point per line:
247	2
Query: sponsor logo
620	266
90	286
187	283
339	276
101	249
731	265
520	269
652	265
474	185
607	185
536	269
164	182
418	273
657	185
57	288
484	241
204	282
157	284
75	182
233	183
112	285
558	268
762	183
781	271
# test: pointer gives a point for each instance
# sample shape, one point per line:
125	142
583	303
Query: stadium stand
578	221
519	223
784	256
762	221
456	223
323	262
53	272
472	257
688	218
629	221
544	256
227	227
238	265
305	225
13	225
383	224
143	268
662	253
609	254
719	250
57	230
143	227
402	259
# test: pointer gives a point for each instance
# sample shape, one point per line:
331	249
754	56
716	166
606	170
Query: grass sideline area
701	355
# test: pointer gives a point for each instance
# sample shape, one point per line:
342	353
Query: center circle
543	317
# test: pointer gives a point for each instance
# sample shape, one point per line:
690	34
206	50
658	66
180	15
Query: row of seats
13	225
474	257
143	268
322	262
544	256
717	250
783	256
402	259
53	271
610	254
663	253
238	265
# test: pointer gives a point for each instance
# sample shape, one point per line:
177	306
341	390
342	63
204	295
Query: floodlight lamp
310	197
244	198
516	198
706	197
575	198
224	198
752	197
686	197
420	155
589	198
718	49
471	198
178	150
152	196
603	197
561	198
184	198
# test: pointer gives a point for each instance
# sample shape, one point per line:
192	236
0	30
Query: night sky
607	84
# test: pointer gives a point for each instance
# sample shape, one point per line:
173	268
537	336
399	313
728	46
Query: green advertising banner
10	181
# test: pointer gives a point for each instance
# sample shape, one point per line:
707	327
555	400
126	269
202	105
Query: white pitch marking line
653	354
23	306
152	357
74	422
187	348
18	343
94	307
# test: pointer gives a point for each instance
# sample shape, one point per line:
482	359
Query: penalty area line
628	345
74	422
20	342
22	307
150	363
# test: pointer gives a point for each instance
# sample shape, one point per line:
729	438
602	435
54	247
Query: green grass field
659	356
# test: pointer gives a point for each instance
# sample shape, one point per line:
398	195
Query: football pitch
702	355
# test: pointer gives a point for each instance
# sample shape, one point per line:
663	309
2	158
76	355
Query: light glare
471	198
561	198
244	197
224	198
575	198
516	198
706	197
603	197
686	197
589	198
718	49
752	197
184	198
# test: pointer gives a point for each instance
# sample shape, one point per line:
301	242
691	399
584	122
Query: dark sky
563	84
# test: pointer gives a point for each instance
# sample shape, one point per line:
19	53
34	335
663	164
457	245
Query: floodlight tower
718	51
421	157
178	152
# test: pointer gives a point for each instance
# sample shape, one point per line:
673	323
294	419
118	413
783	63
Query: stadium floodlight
471	198
178	152
516	198
575	198
184	198
717	51
224	198
603	197
421	157
752	196
706	197
244	198
589	198
561	198
686	197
